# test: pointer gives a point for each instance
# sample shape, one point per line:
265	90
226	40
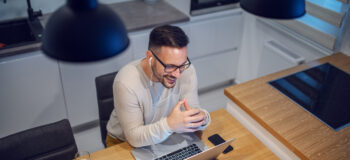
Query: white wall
18	8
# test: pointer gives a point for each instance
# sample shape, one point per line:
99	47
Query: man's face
169	56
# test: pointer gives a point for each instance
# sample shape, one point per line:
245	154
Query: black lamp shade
279	9
84	31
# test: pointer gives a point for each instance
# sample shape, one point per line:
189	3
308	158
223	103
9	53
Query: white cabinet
214	46
280	50
274	57
269	47
30	92
288	39
78	81
216	69
215	34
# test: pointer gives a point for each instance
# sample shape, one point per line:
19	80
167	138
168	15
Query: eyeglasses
172	68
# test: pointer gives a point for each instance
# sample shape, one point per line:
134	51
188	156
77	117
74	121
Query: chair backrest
104	90
48	142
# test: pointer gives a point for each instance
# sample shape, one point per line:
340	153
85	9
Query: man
149	93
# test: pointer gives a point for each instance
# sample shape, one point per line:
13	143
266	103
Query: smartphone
217	139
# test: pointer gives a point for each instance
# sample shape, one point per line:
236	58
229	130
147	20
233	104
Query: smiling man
149	93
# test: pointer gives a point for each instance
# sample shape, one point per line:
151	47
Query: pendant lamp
84	31
278	9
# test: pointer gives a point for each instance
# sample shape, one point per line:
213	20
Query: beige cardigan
141	107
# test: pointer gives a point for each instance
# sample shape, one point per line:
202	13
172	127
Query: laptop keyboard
181	153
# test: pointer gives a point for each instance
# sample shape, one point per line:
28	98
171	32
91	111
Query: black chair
104	90
53	141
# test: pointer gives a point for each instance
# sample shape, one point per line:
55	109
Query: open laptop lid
213	152
172	143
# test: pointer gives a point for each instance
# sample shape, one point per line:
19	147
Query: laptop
213	152
177	142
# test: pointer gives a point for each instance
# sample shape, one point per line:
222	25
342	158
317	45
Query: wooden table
298	130
246	145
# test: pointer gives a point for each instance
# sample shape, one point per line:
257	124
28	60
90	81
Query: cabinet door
30	92
215	35
257	60
276	57
290	41
78	81
216	69
282	50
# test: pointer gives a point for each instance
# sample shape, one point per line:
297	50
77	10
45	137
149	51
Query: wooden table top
246	146
297	129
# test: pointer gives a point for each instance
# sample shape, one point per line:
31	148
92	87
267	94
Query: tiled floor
90	140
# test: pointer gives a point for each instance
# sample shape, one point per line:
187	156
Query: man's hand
201	113
185	121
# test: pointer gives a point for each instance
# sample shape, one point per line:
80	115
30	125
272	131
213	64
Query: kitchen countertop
302	133
136	15
147	15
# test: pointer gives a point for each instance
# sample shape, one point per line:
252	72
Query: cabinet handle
284	52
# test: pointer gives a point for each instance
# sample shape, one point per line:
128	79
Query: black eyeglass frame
186	65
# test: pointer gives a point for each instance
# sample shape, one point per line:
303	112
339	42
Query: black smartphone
217	139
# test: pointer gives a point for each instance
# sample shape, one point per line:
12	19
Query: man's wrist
168	126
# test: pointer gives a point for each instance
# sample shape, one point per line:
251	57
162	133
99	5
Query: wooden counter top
297	129
246	145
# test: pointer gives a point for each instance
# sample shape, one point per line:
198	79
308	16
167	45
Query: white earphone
149	62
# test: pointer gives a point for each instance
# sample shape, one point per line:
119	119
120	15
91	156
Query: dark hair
167	35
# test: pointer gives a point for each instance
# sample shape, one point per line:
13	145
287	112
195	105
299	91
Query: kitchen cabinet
214	46
269	47
280	50
278	58
78	80
216	69
215	34
31	92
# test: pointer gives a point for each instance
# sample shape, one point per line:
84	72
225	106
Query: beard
167	81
